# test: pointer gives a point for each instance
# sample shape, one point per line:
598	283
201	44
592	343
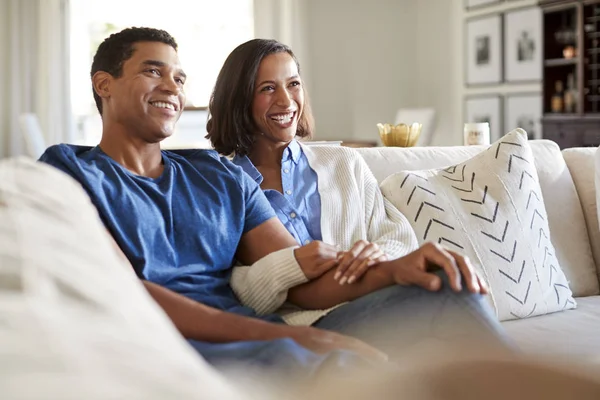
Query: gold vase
401	135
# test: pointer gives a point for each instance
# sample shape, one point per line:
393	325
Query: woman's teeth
283	118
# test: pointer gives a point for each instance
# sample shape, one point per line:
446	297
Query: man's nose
170	84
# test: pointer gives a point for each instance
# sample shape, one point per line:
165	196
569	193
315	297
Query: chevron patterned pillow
490	208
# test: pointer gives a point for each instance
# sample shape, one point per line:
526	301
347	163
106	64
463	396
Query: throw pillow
490	208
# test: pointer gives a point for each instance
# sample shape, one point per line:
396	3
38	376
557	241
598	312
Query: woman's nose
283	98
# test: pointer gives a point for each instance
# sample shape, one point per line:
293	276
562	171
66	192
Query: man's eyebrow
154	63
161	64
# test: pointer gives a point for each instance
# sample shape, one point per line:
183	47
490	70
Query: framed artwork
471	4
524	111
484	50
485	108
523	45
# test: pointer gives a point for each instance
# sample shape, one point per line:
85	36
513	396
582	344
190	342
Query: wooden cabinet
571	87
572	131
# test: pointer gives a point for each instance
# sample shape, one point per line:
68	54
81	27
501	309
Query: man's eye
180	81
295	83
153	71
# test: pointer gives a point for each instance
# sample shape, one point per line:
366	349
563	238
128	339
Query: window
206	32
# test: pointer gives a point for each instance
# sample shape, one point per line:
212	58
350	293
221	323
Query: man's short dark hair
119	47
230	125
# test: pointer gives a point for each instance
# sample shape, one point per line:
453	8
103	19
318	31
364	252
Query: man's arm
197	321
324	292
200	322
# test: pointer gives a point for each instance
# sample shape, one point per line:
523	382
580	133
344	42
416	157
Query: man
183	218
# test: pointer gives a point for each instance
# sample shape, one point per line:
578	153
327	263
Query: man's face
148	98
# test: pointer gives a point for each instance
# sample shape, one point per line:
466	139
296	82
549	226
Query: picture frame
475	4
485	108
483	50
524	110
523	44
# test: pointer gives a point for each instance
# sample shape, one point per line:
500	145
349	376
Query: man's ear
101	82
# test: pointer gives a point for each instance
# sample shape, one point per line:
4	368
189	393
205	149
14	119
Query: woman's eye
267	88
180	81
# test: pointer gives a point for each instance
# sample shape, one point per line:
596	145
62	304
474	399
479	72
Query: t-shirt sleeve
60	157
256	206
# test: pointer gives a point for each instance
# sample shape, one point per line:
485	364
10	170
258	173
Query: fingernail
352	279
337	275
343	280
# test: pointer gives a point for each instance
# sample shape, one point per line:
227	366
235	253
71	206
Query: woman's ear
101	83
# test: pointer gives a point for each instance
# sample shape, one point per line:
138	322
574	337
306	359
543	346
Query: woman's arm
277	264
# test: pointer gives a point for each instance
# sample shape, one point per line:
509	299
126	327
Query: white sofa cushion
580	161
573	333
491	209
562	203
75	322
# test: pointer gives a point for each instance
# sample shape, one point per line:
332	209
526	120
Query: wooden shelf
580	73
588	117
560	62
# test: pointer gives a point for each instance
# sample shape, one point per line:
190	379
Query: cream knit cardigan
352	208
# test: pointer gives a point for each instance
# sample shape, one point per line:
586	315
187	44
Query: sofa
567	183
75	322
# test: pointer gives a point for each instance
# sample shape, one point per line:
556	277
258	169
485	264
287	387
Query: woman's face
278	98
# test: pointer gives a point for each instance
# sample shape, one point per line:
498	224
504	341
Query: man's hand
322	341
416	267
316	258
354	262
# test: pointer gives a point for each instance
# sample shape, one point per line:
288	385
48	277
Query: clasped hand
415	268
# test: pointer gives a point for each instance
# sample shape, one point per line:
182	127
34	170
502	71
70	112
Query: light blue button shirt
299	206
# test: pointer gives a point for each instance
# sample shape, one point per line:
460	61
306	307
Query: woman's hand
316	258
355	262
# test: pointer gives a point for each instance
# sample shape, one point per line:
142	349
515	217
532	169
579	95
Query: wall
360	61
439	73
4	76
369	58
501	89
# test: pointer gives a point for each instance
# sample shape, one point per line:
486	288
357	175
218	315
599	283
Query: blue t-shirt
180	230
299	206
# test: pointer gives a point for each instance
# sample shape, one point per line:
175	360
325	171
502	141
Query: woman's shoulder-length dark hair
230	125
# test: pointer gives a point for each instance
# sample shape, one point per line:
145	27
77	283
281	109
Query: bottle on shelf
556	104
570	95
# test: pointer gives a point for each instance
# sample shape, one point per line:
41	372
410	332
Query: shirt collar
248	167
293	151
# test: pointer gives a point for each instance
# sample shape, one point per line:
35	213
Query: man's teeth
162	104
283	118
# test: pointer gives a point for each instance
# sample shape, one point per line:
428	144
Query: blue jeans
397	317
281	357
391	319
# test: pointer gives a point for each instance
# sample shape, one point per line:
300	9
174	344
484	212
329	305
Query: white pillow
75	322
597	183
490	208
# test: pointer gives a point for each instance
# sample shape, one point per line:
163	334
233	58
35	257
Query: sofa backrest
580	161
568	229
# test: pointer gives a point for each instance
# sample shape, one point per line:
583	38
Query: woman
320	193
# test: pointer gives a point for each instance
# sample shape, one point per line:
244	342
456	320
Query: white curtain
285	21
34	43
